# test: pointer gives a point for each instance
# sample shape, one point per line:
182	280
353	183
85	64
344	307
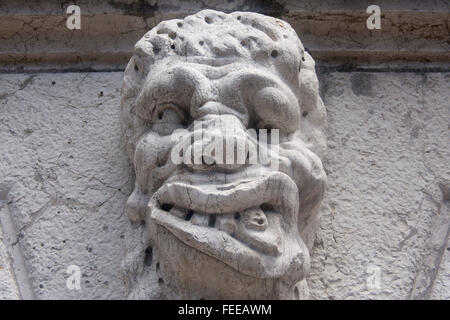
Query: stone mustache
222	229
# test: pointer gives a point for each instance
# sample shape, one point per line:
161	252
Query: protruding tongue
261	231
254	219
258	229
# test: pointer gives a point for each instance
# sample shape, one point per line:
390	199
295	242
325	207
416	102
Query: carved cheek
274	107
309	88
301	168
151	152
307	172
285	166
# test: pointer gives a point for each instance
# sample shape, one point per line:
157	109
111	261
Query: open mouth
259	227
249	224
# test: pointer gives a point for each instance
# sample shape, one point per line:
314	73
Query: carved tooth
254	219
179	212
226	223
199	219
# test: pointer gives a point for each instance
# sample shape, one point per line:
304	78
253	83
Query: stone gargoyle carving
222	229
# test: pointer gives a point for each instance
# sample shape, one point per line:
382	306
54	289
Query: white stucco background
64	180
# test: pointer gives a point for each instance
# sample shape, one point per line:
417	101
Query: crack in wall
18	266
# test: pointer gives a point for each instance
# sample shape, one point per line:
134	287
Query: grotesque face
224	229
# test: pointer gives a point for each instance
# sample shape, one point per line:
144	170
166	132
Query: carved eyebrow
165	86
248	82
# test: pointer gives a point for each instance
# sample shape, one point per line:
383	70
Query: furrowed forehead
218	35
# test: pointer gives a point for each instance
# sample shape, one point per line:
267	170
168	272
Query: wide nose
218	142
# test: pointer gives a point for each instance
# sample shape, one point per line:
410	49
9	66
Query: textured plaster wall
388	186
8	288
67	179
64	180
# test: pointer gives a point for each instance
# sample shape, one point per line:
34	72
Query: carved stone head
223	229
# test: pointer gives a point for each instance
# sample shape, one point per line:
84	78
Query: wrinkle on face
255	95
227	80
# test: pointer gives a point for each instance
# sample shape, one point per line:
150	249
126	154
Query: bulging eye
167	118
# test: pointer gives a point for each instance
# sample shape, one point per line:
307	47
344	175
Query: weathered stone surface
223	229
388	173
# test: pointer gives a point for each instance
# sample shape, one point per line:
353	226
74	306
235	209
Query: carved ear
135	76
313	113
308	62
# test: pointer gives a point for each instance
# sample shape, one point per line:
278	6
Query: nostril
160	162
